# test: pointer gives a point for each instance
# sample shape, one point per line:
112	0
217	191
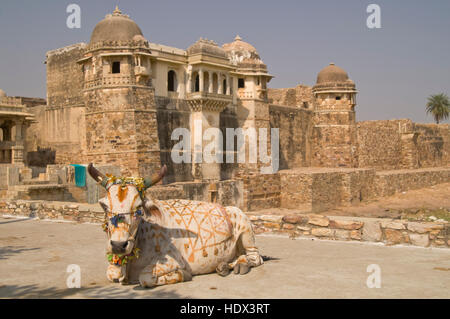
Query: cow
157	242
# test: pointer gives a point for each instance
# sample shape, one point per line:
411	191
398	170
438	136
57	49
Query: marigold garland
119	259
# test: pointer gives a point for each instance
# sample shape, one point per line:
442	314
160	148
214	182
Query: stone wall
388	231
295	129
388	183
433	144
380	143
319	189
261	191
300	96
65	76
399	144
59	125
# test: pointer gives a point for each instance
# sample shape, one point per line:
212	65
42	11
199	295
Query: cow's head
124	206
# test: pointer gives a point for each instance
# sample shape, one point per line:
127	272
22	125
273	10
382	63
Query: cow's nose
119	245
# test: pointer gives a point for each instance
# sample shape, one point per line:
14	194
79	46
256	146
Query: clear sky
395	68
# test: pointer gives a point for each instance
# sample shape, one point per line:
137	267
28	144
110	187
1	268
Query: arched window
171	81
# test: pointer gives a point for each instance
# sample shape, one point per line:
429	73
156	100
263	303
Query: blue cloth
80	175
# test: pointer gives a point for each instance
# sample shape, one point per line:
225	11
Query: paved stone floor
34	256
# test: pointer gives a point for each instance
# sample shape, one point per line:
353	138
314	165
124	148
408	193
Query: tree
439	107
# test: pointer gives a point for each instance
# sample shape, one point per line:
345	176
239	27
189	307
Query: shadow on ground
36	292
9	251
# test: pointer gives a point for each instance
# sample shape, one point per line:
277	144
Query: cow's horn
97	175
155	178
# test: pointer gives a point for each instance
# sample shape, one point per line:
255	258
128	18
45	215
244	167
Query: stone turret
251	92
334	133
121	127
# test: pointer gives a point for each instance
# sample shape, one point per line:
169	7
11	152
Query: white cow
157	242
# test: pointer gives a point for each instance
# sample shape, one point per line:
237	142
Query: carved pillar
201	80
220	84
189	82
228	84
205	123
210	84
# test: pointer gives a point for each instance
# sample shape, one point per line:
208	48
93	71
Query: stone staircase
39	189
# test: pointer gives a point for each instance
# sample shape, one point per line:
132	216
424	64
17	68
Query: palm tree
439	106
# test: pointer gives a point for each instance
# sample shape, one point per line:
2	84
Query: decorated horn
155	178
97	175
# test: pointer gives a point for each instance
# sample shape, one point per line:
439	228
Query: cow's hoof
241	269
222	269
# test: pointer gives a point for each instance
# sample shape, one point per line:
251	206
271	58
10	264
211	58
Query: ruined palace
116	100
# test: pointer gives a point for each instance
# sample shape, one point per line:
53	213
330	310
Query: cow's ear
151	210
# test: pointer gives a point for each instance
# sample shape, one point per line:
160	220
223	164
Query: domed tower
120	115
249	90
334	134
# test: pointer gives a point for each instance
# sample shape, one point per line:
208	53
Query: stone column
210	88
201	80
228	84
205	114
189	82
220	84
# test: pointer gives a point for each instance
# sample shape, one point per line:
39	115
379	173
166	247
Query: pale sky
395	68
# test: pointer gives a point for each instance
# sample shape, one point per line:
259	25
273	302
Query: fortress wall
388	183
295	127
60	124
380	143
64	76
296	96
172	114
261	191
399	144
433	144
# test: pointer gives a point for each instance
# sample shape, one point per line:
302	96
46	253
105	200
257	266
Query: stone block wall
261	191
399	144
295	129
388	183
318	189
386	230
300	96
433	144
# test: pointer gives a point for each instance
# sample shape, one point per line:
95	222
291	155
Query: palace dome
209	47
242	52
332	74
115	27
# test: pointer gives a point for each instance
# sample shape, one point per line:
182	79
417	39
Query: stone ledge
68	211
385	230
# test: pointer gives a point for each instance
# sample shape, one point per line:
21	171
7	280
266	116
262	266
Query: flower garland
137	181
120	260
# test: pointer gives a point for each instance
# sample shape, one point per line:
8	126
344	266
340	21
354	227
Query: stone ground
431	198
34	256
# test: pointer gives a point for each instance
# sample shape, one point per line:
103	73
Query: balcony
203	101
112	80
